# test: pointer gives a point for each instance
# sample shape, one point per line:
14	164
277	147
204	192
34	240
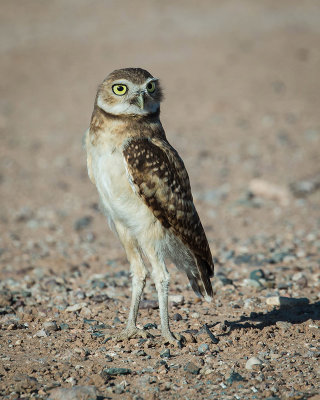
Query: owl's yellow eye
119	90
151	87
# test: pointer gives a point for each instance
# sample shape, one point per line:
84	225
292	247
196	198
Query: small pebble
50	326
253	361
76	307
89	321
161	363
119	389
208	371
191	368
142	353
176	299
224	280
85	312
41	333
203	348
252	283
249	303
116	320
150	325
82	223
234	377
165	353
177	317
71	380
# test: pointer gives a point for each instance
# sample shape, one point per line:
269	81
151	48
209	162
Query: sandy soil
242	102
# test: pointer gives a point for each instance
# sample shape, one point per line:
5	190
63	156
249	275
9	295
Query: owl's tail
198	267
200	279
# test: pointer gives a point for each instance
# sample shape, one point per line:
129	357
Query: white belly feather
117	195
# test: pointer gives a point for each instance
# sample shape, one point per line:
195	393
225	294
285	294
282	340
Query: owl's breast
109	171
119	200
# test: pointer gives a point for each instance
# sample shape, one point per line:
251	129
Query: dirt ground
242	95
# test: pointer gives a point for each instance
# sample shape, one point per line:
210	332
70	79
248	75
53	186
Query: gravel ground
242	108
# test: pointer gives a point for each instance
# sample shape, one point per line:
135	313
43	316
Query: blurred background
242	92
242	95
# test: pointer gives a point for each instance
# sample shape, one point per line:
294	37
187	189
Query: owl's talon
127	334
175	339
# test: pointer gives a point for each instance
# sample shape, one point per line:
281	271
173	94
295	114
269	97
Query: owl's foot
175	339
129	333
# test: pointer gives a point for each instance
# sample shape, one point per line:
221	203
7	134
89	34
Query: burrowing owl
144	191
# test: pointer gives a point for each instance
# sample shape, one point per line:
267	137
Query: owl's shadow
294	315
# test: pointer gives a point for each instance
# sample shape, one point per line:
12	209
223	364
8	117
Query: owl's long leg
161	278
139	274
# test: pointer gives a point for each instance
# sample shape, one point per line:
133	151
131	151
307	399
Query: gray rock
177	317
115	371
234	377
244	259
224	281
165	353
305	187
74	393
98	284
50	326
82	223
150	325
278	257
203	348
257	274
249	303
273	398
90	321
191	368
116	320
100	298
161	363
141	353
119	389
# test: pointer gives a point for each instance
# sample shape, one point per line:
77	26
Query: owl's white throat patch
127	108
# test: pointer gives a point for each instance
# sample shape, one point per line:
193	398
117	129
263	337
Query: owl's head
129	91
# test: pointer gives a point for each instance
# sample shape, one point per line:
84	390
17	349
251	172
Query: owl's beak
140	100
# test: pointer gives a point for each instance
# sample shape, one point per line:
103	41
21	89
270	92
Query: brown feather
160	178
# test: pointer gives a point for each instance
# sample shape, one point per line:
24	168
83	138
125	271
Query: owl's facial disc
123	97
